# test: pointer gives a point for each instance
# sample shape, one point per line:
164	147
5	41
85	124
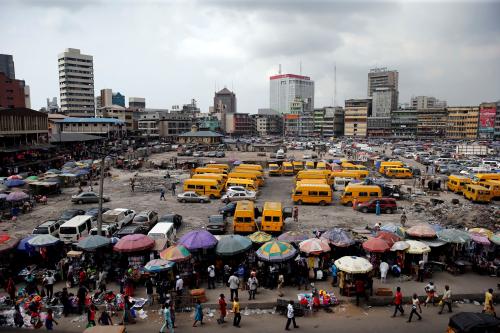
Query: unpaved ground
195	215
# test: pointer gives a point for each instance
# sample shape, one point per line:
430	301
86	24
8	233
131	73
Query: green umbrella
453	236
32	178
495	238
232	244
93	242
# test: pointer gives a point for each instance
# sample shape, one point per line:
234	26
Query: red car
387	205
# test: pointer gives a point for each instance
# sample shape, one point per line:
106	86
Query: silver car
237	196
192	197
88	197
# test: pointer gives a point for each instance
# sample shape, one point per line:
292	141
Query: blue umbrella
82	172
24	245
43	240
14	182
159	265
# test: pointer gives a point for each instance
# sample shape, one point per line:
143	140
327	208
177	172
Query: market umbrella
495	239
175	253
353	265
376	245
482	231
159	265
293	236
3	196
400	246
389	237
4	238
198	239
32	179
232	244
417	247
43	240
453	236
314	246
68	175
276	251
338	237
82	172
14	182
7	242
23	244
17	196
479	238
56	171
421	231
134	243
435	242
93	242
14	177
260	237
395	229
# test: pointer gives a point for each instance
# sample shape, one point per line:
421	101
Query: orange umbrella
389	237
421	231
376	245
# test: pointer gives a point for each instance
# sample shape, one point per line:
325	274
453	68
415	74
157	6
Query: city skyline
445	54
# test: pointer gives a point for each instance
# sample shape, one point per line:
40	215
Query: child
49	320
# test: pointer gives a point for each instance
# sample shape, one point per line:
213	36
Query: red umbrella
4	238
134	243
376	245
389	237
7	242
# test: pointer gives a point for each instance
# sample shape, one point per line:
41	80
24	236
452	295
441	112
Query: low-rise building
432	123
329	121
268	122
108	127
462	122
379	127
164	124
126	115
356	113
239	124
201	137
404	123
22	126
12	92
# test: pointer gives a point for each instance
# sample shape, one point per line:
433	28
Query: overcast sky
172	51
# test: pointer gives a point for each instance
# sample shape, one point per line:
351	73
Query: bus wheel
349	204
322	203
299	202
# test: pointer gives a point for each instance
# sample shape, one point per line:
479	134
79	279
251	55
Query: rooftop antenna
334	84
279	71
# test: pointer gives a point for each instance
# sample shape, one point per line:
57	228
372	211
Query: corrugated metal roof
91	120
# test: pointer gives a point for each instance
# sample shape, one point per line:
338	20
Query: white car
120	216
237	196
235	189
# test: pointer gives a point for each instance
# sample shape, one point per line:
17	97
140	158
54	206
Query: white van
340	183
164	230
76	228
120	216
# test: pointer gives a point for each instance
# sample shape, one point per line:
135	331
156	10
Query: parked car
95	211
68	214
212	154
235	189
217	224
387	205
130	230
198	154
176	219
192	197
108	230
50	227
307	156
148	217
228	210
237	196
220	154
120	216
87	197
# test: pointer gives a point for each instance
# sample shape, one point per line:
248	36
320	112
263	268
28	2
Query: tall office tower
383	78
284	89
76	83
7	66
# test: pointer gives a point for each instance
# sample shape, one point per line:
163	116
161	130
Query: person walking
236	311
252	284
377	208
334	271
446	299
290	316
415	303
91	316
198	313
149	291
167	319
430	289
403	219
179	285
49	320
222	309
384	268
172	188
488	303
354	204
295	214
211	277
281	283
234	283
162	194
421	269
398	302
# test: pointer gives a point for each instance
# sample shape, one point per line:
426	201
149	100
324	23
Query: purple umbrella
479	239
198	239
17	196
14	182
338	237
3	196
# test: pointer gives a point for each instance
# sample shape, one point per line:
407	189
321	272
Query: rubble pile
457	215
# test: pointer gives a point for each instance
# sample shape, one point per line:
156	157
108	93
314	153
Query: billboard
487	118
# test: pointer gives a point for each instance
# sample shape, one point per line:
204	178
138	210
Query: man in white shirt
211	277
49	281
290	316
234	283
179	285
384	268
430	289
446	299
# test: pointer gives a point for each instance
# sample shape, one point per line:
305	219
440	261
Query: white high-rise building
76	83
286	88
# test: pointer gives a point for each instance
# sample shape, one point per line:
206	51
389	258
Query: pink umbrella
421	231
17	196
134	243
314	246
15	177
480	239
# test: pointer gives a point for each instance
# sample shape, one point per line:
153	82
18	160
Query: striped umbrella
260	237
293	236
159	265
314	246
276	251
175	253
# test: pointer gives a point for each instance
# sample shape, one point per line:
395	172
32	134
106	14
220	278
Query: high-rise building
284	89
497	121
426	102
52	106
384	78
431	123
356	113
106	97
76	83
382	102
7	66
329	121
118	99
462	122
136	102
224	104
404	123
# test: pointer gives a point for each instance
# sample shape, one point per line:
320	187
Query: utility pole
101	194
